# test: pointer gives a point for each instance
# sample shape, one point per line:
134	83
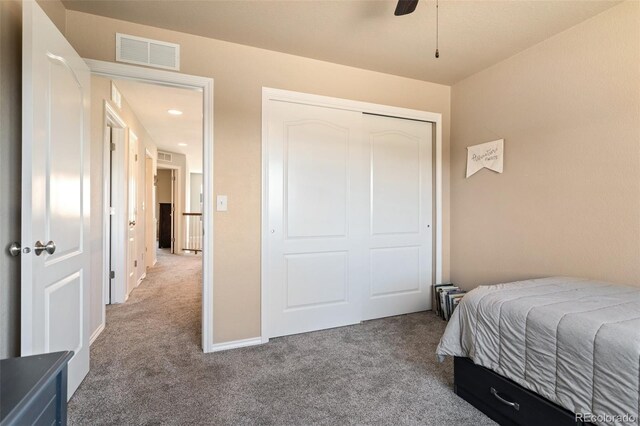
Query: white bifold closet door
349	217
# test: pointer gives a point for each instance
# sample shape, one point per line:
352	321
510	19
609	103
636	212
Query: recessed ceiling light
182	144
174	112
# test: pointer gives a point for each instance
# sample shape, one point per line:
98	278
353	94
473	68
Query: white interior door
55	193
399	257
315	265
119	214
132	203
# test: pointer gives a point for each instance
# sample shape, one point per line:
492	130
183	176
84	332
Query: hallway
156	330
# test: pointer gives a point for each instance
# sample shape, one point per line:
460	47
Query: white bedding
573	341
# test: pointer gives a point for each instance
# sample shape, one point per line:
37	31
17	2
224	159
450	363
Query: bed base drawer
505	401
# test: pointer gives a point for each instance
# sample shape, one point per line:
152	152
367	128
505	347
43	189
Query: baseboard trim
141	279
96	333
217	347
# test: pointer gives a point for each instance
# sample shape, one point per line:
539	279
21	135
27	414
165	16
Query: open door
55	195
132	203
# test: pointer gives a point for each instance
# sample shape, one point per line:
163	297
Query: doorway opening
165	209
155	178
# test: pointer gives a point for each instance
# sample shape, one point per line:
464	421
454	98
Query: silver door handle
15	249
515	405
38	248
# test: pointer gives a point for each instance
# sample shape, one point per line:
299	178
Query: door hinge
135	263
112	274
113	146
136	157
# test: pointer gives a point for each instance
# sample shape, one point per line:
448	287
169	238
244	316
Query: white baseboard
217	347
141	279
96	333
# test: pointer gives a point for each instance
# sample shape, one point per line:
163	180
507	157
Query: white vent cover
144	51
165	156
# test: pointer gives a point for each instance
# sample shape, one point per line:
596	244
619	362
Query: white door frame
269	94
167	78
132	208
113	171
177	189
149	211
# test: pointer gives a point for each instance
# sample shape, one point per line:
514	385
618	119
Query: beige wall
56	11
10	172
195	190
568	202
240	72
163	188
101	91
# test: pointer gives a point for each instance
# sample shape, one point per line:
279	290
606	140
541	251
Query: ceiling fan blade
405	7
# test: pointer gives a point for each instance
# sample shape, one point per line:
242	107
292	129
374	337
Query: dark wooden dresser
33	389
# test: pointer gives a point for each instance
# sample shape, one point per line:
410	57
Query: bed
570	342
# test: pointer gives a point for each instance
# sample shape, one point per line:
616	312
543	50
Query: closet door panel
399	241
314	266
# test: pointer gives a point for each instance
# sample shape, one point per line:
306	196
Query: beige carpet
147	368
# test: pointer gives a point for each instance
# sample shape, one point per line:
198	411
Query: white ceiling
151	102
365	33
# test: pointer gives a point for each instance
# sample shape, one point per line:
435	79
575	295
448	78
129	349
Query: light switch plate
221	203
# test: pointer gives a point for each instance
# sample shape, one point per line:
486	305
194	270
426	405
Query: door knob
50	248
15	249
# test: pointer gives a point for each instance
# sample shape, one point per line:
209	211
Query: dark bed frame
505	401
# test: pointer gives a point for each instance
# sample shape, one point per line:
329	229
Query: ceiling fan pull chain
437	29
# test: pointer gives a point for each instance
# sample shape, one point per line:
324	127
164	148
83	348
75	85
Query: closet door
316	199
399	238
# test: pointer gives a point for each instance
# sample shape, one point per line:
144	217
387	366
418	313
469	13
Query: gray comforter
575	342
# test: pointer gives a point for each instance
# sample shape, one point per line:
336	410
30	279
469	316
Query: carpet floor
147	368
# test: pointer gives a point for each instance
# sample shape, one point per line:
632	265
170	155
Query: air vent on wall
144	51
164	156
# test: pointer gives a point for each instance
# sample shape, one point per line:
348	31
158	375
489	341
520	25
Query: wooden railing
193	232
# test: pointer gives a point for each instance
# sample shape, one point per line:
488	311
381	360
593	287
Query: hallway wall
195	188
101	92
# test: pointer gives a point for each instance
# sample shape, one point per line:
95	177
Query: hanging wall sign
489	155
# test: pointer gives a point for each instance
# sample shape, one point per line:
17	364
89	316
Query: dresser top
21	378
